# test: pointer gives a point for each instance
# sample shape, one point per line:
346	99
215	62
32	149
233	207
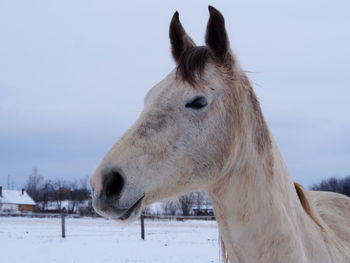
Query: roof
16	197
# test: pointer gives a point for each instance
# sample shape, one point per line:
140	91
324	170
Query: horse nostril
114	183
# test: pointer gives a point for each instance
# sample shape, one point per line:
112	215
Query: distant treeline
333	184
45	190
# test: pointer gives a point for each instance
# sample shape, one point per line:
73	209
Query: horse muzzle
116	198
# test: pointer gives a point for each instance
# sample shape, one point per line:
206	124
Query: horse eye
197	103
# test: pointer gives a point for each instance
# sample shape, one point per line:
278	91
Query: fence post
142	227
63	224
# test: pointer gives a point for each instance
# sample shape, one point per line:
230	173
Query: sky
73	75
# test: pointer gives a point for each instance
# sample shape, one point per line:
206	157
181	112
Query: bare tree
200	199
46	193
186	203
171	207
73	194
61	192
147	210
34	185
346	186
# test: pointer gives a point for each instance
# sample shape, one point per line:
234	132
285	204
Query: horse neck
257	208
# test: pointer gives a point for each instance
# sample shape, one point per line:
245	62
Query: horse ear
216	37
179	39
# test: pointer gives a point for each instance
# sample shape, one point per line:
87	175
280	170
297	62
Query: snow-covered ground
34	240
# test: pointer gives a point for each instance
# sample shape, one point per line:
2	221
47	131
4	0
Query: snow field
33	240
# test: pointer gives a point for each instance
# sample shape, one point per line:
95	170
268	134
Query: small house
15	200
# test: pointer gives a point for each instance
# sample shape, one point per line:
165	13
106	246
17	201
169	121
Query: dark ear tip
176	16
215	13
212	9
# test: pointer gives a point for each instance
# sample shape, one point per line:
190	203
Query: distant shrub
333	184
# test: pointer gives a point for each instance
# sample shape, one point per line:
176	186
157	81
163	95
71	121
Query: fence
178	218
142	218
36	215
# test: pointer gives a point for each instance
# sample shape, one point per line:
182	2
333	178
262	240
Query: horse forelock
192	63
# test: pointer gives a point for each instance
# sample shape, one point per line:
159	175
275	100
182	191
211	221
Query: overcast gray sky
73	75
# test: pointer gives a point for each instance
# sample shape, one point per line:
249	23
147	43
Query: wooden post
142	227
63	224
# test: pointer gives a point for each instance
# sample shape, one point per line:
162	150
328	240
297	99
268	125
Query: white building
15	200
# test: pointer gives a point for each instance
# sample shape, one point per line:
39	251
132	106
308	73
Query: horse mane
306	205
192	63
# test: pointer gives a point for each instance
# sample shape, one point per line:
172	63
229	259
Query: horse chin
132	213
127	215
117	213
133	217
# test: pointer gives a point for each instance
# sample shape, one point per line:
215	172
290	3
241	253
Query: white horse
202	128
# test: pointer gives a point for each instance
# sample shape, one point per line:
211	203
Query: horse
202	128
